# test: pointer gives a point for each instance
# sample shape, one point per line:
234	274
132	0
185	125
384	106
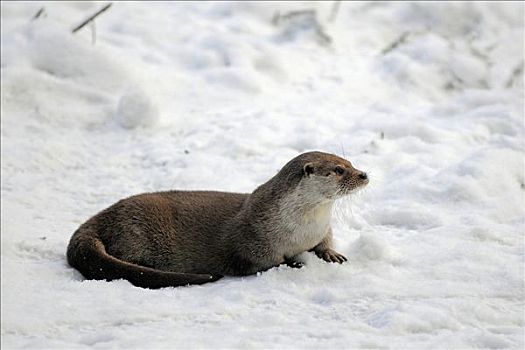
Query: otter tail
87	254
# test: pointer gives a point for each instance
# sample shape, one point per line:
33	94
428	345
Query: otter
177	238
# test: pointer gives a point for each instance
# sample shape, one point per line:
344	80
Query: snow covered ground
426	97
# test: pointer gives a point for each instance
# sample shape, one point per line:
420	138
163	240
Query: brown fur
177	238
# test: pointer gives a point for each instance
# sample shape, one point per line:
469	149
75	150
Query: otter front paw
331	255
293	263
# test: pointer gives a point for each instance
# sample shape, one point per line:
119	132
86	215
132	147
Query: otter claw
332	256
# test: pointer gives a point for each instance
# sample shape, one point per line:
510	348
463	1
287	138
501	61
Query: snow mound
135	108
412	319
369	247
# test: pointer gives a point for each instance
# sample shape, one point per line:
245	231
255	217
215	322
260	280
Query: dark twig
302	18
516	74
323	37
81	25
276	18
38	14
93	33
395	44
335	10
305	12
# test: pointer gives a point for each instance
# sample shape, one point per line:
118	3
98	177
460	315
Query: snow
135	108
425	97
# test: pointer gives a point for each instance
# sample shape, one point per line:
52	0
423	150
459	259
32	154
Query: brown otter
177	238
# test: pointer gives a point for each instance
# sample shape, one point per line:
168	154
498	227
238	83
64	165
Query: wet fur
177	238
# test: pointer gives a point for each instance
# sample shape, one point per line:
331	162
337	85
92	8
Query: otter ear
308	169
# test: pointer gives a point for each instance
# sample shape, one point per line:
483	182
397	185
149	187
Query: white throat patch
304	219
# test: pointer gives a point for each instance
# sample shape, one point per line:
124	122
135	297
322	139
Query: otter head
331	176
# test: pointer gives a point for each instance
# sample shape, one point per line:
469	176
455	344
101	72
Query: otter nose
363	176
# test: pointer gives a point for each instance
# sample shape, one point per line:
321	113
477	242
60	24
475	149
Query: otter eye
308	169
339	170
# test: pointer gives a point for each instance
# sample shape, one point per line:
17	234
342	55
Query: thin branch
516	74
324	38
38	14
305	12
93	32
335	10
81	25
395	44
304	15
276	18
